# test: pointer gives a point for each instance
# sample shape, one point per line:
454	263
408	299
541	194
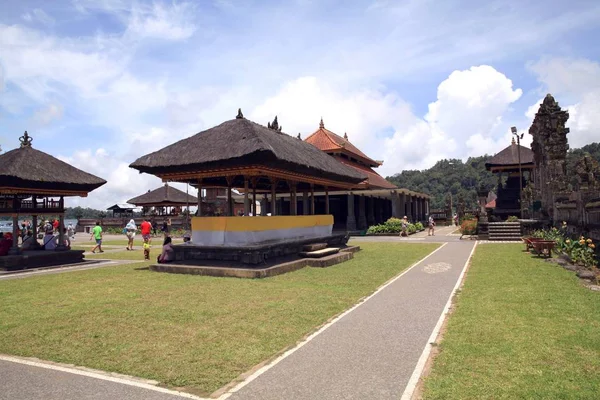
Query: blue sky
100	83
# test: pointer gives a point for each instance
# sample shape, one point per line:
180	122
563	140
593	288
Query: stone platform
40	258
269	268
253	255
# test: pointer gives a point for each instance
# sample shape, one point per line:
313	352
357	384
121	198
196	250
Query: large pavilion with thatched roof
33	183
255	159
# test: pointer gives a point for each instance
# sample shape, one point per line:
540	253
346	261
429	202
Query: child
146	248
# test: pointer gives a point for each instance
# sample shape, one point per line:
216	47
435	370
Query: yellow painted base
242	224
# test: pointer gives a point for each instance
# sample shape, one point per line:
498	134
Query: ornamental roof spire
321	124
25	140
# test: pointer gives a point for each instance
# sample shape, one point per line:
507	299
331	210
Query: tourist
55	225
154	227
146	228
6	243
165	228
49	240
97	235
71	231
186	238
404	226
130	230
146	247
29	242
48	228
431	231
168	254
66	240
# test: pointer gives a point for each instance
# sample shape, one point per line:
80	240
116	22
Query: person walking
146	229
404	226
130	230
97	235
70	231
431	231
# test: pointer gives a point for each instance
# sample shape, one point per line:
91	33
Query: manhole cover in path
436	268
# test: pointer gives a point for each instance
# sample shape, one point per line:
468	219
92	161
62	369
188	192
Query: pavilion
164	201
122	210
506	165
371	201
33	183
264	160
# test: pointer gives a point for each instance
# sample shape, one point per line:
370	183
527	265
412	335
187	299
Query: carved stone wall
549	147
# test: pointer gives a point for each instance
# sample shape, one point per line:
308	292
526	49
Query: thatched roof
165	196
240	142
31	170
509	157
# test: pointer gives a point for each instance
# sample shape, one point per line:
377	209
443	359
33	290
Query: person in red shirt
146	229
55	225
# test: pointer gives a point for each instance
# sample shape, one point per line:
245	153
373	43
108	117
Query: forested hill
464	178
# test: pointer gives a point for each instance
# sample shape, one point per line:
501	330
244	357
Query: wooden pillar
305	203
396	212
229	205
371	211
254	182
293	198
264	205
273	197
61	234
350	219
312	199
199	212
326	200
362	218
246	202
14	250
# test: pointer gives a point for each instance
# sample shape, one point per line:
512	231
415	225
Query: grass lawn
191	332
522	329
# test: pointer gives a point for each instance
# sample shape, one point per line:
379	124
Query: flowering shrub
468	227
580	250
392	225
512	218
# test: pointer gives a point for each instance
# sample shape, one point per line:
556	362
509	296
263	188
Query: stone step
320	253
314	246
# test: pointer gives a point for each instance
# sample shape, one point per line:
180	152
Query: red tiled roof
491	204
373	181
325	140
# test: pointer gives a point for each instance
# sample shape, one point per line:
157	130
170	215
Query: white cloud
466	119
47	114
575	84
158	21
39	15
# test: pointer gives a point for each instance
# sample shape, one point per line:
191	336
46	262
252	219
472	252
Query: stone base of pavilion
271	267
40	258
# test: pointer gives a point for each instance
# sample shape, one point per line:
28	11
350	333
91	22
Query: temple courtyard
518	328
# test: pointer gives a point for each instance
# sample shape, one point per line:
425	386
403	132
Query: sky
99	83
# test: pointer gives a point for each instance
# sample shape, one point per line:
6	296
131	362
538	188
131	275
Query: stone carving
25	140
275	125
549	148
587	172
239	114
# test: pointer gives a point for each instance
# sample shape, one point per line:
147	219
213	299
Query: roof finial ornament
239	115
513	141
345	136
25	140
321	124
299	136
275	125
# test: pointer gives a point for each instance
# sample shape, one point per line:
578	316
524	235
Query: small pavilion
122	210
506	165
33	183
165	201
264	160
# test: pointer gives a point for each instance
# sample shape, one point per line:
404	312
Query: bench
529	242
543	247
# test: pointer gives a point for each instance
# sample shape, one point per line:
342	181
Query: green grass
191	332
522	329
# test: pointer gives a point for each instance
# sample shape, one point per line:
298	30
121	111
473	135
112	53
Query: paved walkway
371	352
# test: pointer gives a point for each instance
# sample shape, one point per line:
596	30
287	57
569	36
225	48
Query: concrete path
27	382
371	352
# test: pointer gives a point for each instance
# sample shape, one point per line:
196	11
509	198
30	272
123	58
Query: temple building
165	201
371	201
506	165
33	183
